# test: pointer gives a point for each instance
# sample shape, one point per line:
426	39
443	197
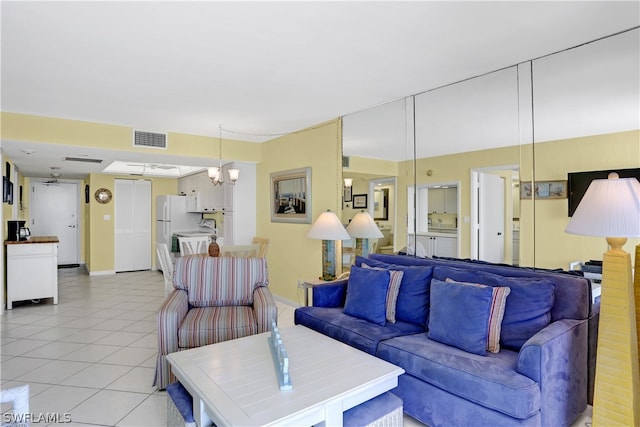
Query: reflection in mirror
587	118
464	132
378	149
381	204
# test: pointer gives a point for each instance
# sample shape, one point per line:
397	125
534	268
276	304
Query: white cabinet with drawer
32	270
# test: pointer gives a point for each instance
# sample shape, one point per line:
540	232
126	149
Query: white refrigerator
172	217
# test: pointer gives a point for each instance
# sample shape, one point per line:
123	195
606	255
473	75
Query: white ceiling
260	69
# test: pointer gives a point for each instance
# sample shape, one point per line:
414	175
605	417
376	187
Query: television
578	182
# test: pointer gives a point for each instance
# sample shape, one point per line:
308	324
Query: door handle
71	226
499	234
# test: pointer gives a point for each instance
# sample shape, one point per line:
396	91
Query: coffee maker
17	231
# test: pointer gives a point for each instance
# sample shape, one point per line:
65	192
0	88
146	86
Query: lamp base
362	247
617	385
328	260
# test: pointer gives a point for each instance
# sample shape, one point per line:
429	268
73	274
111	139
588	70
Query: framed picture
543	190
359	201
347	194
291	196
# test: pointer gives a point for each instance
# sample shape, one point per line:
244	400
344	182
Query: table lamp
328	228
611	208
362	227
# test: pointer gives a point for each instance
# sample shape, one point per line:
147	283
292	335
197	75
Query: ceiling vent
149	139
82	159
345	161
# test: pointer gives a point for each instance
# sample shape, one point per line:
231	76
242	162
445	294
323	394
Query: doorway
494	201
54	212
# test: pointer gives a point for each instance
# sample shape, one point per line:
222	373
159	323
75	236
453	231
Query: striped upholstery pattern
209	325
214	300
170	314
220	281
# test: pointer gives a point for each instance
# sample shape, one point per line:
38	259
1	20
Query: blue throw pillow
367	294
528	308
413	298
460	315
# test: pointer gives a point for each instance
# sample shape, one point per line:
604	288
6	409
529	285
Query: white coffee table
233	383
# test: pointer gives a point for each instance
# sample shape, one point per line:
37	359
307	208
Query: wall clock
103	195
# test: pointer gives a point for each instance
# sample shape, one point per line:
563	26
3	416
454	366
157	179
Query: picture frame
359	201
543	190
347	196
291	196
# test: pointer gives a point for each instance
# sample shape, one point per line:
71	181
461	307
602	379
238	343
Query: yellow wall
292	256
22	127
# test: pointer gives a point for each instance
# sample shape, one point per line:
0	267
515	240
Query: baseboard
286	301
102	273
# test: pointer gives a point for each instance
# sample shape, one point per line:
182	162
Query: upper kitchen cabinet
443	200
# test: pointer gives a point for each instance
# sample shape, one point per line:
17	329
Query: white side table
306	284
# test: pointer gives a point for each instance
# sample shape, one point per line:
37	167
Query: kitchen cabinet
439	245
443	200
32	269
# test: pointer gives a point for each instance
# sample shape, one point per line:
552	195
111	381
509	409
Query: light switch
107	217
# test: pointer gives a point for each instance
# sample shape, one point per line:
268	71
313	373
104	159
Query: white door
132	225
491	218
54	212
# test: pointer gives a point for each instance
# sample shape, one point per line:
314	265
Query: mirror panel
463	131
587	118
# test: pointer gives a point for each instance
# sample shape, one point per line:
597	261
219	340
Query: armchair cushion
220	281
209	325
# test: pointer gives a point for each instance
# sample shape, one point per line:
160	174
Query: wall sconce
348	182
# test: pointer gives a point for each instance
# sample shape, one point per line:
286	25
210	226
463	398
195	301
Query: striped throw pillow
498	304
395	278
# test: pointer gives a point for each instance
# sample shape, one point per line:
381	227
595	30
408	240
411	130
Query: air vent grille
345	161
149	139
82	160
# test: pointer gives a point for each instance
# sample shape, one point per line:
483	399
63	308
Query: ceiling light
216	174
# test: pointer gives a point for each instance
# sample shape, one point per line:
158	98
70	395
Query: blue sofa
539	375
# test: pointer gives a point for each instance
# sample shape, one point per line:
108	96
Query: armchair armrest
265	308
330	294
556	358
171	312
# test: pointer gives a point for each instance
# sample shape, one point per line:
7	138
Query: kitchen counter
453	232
32	269
33	239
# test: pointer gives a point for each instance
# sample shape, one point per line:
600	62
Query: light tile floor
91	357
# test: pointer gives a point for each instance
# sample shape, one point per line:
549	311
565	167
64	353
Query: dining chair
193	245
240	251
264	245
166	265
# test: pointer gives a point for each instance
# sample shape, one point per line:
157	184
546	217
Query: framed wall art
359	201
543	190
291	196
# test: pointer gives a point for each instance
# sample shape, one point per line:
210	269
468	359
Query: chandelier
216	174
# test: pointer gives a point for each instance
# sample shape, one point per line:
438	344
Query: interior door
491	218
132	225
54	212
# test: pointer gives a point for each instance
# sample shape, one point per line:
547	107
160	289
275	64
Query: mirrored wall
482	168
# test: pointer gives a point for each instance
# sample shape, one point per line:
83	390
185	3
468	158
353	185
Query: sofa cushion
395	279
220	281
498	304
209	325
413	297
489	381
358	333
367	294
460	315
528	308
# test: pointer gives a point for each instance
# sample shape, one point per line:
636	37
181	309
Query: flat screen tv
578	182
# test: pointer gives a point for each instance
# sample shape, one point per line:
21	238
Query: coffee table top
237	383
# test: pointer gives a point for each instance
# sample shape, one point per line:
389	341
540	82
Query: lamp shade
328	227
234	174
363	226
609	208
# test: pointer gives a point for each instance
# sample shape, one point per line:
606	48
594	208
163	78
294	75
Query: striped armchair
213	300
